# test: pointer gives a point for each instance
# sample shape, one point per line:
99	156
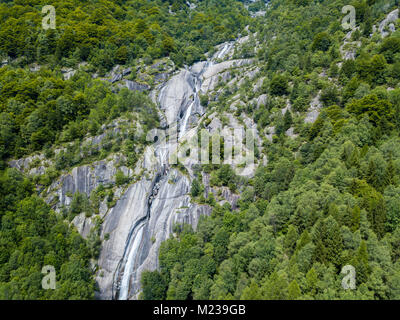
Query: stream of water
126	270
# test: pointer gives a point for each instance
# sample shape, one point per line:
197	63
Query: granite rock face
24	164
388	23
141	220
118	223
216	73
169	204
83	224
84	179
179	99
349	48
145	215
146	211
135	86
313	111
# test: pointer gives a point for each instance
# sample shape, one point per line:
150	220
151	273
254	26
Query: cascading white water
126	273
188	112
185	121
123	294
196	100
225	49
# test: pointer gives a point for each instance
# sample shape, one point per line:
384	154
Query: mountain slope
329	196
323	107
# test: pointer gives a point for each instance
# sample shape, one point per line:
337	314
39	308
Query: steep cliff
145	211
144	217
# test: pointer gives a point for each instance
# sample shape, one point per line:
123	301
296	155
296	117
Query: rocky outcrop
258	84
262	100
176	96
313	111
215	73
170	205
141	220
32	165
145	213
84	179
118	223
290	133
224	51
116	75
135	86
387	25
25	163
68	73
270	131
223	194
83	224
161	77
348	48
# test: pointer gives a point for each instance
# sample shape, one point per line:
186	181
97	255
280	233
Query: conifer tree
294	291
361	263
389	173
290	239
355	218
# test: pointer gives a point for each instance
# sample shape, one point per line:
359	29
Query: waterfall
196	100
185	121
137	246
226	47
132	247
123	294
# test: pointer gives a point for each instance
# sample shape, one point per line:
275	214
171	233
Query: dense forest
32	236
328	197
36	107
41	109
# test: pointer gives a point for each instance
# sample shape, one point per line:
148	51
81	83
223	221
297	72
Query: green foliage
325	199
204	100
380	112
32	236
48	107
279	85
196	188
371	69
154	286
120	178
104	33
35	107
321	41
330	96
390	47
